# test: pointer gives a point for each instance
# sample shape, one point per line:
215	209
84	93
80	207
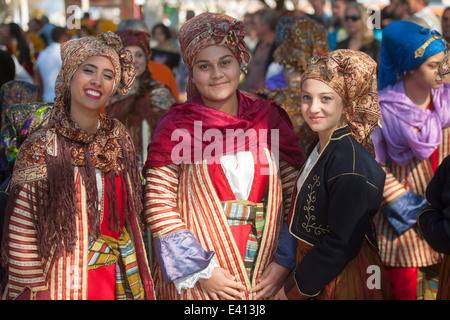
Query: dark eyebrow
95	67
221	58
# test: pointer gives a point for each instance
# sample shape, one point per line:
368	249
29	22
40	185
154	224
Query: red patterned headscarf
75	52
136	38
352	74
209	29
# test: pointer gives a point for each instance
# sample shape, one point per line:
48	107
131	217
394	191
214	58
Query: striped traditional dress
410	249
66	277
183	197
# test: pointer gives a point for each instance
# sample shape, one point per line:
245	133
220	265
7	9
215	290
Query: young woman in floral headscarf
73	218
216	195
333	251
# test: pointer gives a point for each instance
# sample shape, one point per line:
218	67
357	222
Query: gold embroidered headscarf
75	52
352	74
209	29
304	38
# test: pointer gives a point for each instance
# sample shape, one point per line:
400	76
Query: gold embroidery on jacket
309	208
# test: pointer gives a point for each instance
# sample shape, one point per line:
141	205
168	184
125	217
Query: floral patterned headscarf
444	66
209	29
304	38
75	52
352	74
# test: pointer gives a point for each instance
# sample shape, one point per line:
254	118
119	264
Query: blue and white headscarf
404	47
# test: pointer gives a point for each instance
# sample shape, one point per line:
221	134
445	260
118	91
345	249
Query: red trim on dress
102	281
258	191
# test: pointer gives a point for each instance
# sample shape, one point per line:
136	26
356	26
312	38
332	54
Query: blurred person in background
360	36
319	14
400	9
37	44
20	73
48	64
160	72
446	24
147	100
18	46
165	51
8	67
251	38
422	10
305	38
265	23
46	30
336	32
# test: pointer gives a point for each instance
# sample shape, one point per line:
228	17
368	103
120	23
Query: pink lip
315	119
92	96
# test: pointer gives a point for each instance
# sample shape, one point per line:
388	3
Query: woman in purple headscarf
413	140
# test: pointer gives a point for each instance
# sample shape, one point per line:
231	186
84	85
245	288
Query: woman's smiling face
322	108
92	83
216	73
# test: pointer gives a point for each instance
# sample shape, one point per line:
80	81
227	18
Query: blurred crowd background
26	26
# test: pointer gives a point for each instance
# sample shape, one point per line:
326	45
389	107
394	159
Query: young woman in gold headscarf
340	187
73	215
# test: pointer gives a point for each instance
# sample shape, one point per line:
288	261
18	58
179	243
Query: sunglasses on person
353	18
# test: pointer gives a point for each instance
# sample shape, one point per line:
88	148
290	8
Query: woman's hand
222	284
271	281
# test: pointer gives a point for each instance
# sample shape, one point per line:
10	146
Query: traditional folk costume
20	121
73	214
11	93
409	145
434	223
218	203
304	38
337	194
141	108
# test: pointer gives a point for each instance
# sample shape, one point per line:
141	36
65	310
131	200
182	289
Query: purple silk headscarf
397	139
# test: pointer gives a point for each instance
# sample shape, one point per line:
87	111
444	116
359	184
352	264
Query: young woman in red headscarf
219	173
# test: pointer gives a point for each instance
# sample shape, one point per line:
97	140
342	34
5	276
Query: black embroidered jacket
334	207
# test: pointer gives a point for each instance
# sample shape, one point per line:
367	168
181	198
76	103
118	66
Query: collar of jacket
341	132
